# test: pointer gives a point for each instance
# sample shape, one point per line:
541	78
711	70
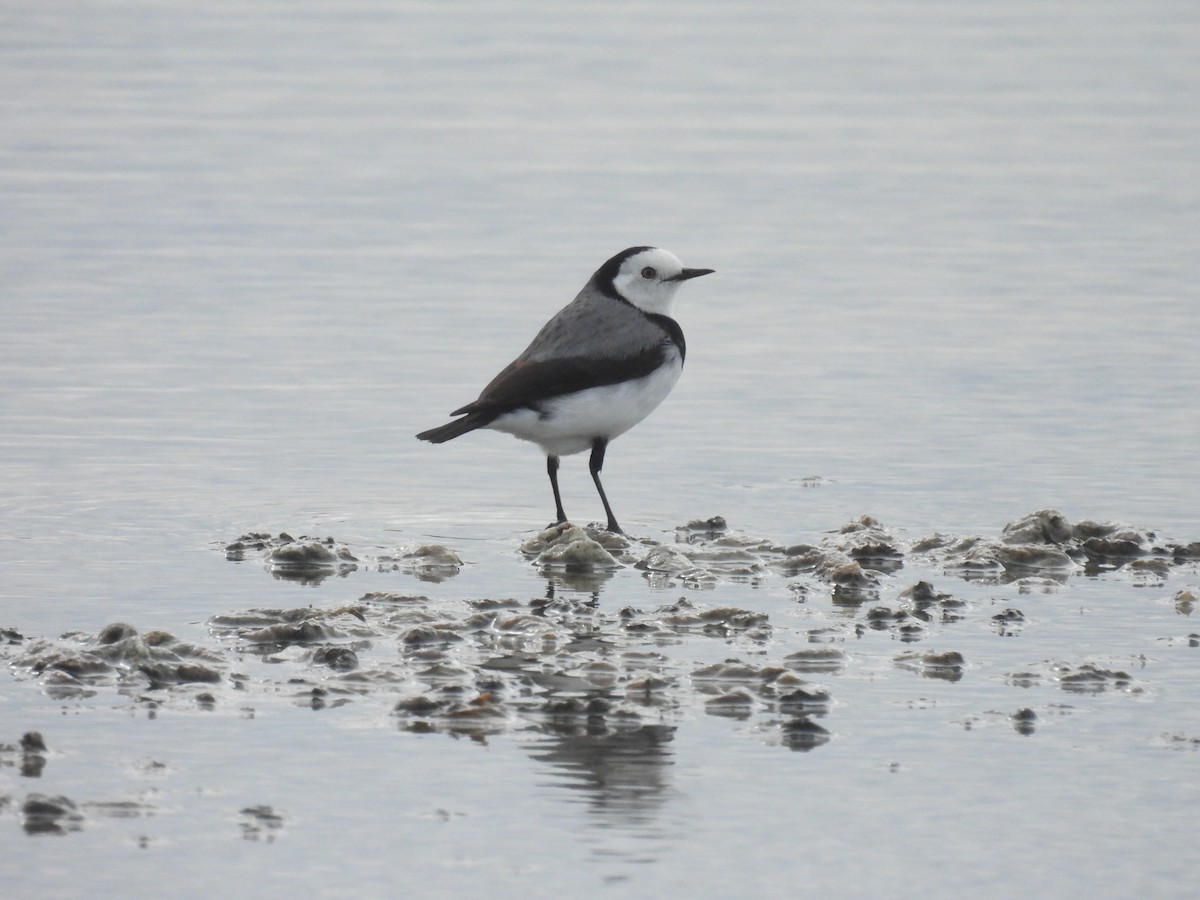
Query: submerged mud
489	664
607	676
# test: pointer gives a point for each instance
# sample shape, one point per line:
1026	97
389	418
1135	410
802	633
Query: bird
602	364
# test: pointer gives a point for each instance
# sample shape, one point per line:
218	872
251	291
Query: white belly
568	424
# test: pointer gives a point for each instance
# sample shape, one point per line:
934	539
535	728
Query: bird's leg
552	471
595	464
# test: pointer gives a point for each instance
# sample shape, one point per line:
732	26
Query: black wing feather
526	383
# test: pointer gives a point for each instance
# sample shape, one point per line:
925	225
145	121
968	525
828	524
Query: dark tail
458	427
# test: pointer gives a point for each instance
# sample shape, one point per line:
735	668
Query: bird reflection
620	770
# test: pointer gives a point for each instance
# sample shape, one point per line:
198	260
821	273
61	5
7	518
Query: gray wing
593	341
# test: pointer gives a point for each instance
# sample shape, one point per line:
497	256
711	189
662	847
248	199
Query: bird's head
647	277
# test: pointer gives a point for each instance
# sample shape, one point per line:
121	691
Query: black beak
690	273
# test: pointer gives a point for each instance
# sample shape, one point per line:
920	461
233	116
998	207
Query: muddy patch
604	677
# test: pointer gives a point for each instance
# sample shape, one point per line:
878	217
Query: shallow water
247	255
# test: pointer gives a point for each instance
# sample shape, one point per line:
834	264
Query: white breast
568	424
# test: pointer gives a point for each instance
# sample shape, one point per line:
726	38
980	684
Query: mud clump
428	562
1089	678
260	823
120	656
949	665
307	560
46	815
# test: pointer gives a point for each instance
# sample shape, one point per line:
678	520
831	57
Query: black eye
649	272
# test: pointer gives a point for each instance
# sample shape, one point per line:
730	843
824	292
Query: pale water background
247	250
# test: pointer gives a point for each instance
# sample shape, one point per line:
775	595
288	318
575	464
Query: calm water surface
247	252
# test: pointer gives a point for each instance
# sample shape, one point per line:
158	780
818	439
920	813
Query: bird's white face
649	280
